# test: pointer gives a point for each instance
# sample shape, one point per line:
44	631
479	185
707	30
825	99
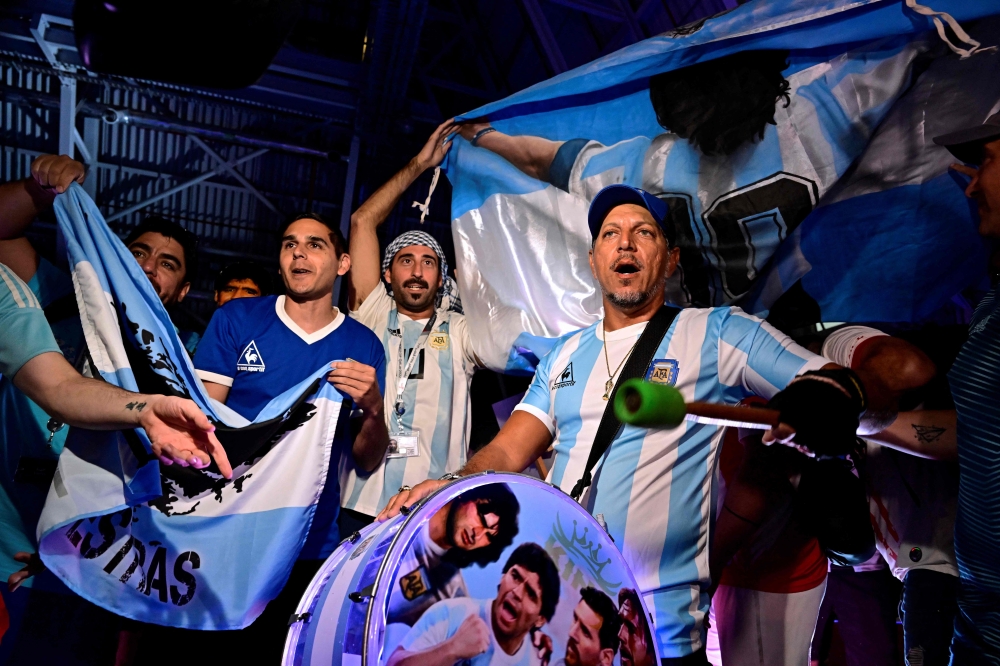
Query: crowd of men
753	557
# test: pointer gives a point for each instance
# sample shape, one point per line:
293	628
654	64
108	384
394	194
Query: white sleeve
840	345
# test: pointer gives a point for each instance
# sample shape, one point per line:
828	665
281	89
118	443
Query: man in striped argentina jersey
654	487
435	396
975	386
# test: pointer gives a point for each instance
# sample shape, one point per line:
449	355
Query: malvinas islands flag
841	201
167	544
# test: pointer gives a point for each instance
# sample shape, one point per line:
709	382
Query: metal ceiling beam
231	170
546	39
625	35
458	87
185	185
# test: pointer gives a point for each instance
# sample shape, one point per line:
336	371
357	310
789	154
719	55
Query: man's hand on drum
471	639
409	497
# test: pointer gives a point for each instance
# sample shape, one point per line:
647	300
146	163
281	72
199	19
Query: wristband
481	133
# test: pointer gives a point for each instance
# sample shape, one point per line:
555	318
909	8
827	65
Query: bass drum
505	550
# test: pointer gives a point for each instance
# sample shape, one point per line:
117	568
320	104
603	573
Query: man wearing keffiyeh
411	303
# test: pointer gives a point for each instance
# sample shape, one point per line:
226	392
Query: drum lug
298	617
405	510
361	595
354	537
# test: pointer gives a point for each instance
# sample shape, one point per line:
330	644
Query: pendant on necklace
608	385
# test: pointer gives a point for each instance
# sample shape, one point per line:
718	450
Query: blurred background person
242	279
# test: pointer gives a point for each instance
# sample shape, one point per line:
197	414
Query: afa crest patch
663	371
413	584
438	341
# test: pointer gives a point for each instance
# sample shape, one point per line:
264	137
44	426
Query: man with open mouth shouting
488	632
654	487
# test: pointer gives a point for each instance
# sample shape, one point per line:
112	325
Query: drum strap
636	366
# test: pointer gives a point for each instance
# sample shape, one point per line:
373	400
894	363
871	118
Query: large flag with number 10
843	199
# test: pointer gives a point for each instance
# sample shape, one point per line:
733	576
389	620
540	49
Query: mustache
415	281
630	258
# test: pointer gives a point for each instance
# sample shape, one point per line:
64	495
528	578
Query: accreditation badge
403	444
438	341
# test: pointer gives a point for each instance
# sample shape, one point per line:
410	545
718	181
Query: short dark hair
187	240
631	596
245	270
533	557
336	237
721	104
496	498
602	604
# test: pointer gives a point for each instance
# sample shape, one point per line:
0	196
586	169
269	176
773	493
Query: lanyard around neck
403	373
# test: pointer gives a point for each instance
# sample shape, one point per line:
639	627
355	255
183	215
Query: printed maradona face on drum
473	525
527	594
636	643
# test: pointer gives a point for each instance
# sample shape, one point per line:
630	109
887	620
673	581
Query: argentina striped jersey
436	399
975	386
654	487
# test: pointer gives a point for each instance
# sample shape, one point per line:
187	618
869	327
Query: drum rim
379	593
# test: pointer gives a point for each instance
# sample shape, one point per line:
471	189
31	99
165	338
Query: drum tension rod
361	595
354	537
298	617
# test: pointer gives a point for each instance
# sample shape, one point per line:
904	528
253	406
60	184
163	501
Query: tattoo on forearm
135	406
927	434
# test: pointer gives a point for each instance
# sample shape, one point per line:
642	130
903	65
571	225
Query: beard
450	525
630	300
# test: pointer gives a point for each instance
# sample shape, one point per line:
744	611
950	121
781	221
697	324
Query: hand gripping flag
167	544
843	197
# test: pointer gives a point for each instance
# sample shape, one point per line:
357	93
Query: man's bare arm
217	392
179	431
366	267
20	203
519	443
531	154
927	434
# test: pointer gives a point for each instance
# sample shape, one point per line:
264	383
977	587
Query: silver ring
402	488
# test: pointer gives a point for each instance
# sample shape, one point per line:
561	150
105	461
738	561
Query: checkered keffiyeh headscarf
447	296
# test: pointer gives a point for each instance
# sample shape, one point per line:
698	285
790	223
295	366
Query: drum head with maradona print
493	569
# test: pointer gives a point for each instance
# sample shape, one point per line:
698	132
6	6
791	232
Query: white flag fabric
166	544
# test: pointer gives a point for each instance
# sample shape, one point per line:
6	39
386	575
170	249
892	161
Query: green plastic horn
649	405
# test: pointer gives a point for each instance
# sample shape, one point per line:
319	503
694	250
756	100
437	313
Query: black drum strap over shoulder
636	366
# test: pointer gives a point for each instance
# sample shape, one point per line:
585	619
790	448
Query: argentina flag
842	202
167	544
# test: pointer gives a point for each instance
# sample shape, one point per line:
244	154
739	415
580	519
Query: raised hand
55	173
433	152
360	382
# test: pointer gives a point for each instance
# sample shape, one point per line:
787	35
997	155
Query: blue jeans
928	614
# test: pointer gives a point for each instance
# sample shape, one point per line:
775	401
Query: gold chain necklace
610	384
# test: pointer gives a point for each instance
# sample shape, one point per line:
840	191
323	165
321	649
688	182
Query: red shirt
795	563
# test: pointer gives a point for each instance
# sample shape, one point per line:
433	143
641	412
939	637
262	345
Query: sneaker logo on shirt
663	371
250	359
565	378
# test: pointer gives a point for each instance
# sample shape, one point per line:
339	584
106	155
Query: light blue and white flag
845	195
167	544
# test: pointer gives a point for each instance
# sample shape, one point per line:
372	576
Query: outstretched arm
927	434
179	432
520	442
20	203
531	154
365	261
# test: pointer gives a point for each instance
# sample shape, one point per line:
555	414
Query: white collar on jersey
308	338
622	333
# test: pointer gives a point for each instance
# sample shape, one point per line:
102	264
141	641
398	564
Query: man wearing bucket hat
412	305
975	387
653	487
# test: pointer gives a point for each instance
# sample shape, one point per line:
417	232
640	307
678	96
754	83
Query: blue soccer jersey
253	347
654	487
